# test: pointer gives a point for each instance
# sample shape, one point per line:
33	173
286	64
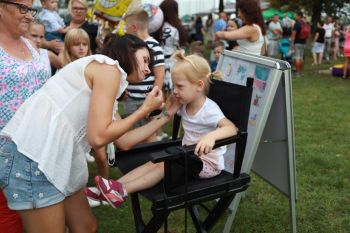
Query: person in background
220	24
209	29
203	123
36	34
21	68
57	125
218	48
76	45
197	47
250	37
172	36
318	44
199	29
137	24
329	28
274	34
346	53
55	28
77	12
232	24
285	48
336	39
298	45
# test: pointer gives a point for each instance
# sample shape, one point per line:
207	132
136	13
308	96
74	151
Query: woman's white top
247	46
50	126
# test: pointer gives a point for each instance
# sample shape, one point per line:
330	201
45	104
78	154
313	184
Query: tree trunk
221	6
316	13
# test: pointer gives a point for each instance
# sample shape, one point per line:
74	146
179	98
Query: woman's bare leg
79	217
43	220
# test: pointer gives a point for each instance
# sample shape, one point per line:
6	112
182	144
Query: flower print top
19	79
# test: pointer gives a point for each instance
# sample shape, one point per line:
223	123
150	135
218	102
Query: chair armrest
175	152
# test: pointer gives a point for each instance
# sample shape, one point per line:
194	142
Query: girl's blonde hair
83	2
195	68
74	35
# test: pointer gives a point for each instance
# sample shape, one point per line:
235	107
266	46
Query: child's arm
56	60
64	30
225	129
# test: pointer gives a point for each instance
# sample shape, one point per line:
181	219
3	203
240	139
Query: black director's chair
174	193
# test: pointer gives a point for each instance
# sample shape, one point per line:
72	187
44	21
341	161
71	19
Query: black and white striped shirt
139	90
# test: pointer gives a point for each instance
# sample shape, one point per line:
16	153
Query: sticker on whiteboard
262	73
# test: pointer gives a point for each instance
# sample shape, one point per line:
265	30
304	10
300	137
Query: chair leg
196	219
217	211
139	224
156	222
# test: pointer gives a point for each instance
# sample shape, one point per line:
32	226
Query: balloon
155	15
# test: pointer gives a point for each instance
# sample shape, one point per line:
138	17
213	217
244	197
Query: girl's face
217	52
231	25
79	49
143	60
185	91
36	34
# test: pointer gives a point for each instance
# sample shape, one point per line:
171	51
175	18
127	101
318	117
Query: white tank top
252	47
50	126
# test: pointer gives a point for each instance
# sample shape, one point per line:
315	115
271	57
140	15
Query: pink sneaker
111	190
94	193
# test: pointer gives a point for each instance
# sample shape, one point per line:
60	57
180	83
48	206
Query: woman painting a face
68	114
21	69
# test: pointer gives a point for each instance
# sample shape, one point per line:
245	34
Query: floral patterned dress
19	79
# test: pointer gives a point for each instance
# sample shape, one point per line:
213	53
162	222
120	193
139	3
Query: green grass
322	127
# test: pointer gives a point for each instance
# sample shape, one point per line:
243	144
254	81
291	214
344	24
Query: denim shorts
24	185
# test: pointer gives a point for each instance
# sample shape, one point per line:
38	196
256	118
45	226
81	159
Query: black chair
234	101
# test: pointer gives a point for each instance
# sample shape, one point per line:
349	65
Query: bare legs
317	58
345	67
47	219
74	212
143	177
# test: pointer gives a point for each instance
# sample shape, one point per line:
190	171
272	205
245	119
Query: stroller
285	50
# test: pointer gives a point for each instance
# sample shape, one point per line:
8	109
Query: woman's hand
154	100
172	105
205	145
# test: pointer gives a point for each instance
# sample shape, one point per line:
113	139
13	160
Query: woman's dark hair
252	13
123	49
171	15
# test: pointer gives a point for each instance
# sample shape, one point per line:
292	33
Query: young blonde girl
36	33
76	45
203	124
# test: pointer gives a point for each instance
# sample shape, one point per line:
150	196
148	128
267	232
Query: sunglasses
23	9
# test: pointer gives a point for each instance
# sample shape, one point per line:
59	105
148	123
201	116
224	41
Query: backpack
304	31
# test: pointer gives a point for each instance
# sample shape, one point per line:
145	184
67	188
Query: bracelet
163	113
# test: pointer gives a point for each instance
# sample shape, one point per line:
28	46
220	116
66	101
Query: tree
221	5
314	8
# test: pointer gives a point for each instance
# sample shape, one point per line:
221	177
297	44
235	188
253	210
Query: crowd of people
282	38
61	84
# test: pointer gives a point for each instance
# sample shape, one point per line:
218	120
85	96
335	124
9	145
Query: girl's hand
154	100
172	105
205	145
